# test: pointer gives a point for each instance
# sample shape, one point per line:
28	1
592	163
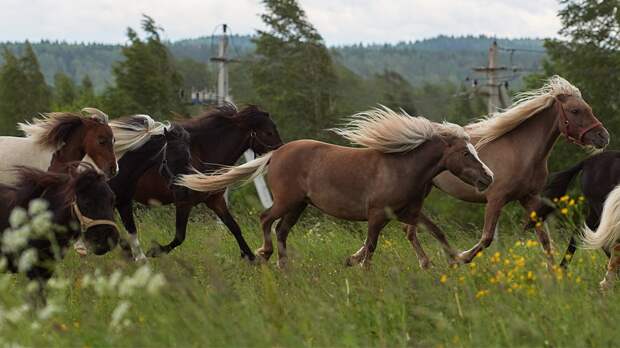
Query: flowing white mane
133	132
527	105
385	130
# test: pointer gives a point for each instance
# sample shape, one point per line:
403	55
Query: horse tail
225	177
608	230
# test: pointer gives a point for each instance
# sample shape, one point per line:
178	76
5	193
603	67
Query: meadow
506	297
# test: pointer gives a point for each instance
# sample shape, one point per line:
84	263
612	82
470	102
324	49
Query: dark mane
222	115
33	183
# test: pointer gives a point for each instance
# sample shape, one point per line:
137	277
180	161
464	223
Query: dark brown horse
57	139
80	202
516	144
217	138
388	179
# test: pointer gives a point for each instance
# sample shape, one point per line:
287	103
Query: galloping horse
217	138
390	177
56	139
141	144
600	175
81	202
607	236
516	144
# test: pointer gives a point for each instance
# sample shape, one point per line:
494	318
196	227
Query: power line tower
223	97
493	89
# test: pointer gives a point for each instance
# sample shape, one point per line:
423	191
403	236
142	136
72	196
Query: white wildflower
37	206
115	278
35	326
33	286
142	275
42	223
49	310
16	314
14	240
27	259
127	287
18	217
58	283
118	313
155	284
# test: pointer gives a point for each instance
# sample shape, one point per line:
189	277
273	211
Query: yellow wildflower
530	275
572	202
564	198
531	243
538	224
581	198
443	279
564	211
578	280
482	293
533	215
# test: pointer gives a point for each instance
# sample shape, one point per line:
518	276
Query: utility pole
493	88
223	97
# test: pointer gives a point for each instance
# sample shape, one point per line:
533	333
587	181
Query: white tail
227	176
608	230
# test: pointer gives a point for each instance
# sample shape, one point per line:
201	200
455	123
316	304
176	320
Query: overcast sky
339	21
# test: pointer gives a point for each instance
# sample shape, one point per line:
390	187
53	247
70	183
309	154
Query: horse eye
574	111
102	141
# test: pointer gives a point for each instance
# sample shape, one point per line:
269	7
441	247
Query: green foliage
589	57
293	72
65	91
146	80
23	91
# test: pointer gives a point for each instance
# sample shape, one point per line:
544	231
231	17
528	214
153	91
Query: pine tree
146	80
23	92
65	91
294	76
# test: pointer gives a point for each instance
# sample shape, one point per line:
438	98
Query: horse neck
73	150
222	145
136	162
537	135
426	162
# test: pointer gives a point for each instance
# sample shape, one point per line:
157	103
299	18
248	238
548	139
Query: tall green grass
213	298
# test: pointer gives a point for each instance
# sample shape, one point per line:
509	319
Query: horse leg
376	222
612	267
451	254
282	230
570	252
125	210
182	216
531	203
217	203
412	236
491	217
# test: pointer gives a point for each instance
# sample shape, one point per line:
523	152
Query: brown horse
56	139
516	144
217	138
389	178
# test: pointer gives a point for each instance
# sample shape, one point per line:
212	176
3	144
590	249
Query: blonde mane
385	130
133	132
527	105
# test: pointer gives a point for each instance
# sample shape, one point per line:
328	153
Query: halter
254	139
163	166
85	221
566	130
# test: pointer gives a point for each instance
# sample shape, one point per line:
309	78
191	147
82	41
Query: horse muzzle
597	137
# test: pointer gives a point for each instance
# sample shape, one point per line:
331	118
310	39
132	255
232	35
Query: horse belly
15	151
152	189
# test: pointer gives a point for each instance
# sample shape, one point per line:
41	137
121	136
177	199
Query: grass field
212	298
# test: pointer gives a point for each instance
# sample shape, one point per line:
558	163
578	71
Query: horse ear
562	97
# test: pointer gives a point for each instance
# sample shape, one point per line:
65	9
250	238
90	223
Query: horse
516	145
80	202
141	144
388	178
607	236
219	137
58	138
600	175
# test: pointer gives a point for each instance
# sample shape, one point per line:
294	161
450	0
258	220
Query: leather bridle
565	128
85	221
254	139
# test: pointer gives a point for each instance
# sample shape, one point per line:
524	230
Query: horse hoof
464	257
605	285
350	261
263	255
425	264
140	258
250	258
282	263
156	251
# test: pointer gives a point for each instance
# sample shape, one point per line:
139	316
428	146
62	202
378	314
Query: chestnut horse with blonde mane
59	138
516	144
389	177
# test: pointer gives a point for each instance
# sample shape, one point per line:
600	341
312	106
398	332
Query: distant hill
433	60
